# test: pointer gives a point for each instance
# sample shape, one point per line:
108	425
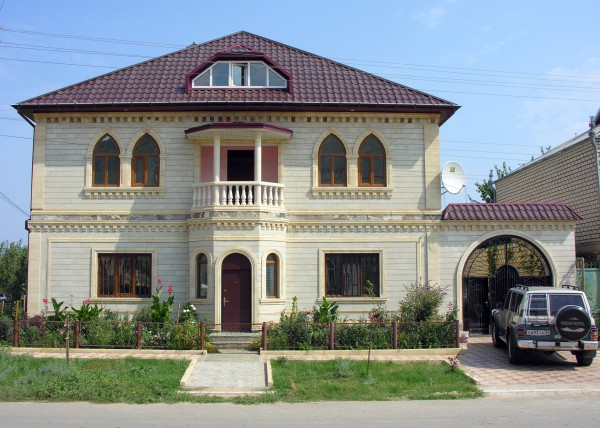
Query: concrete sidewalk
232	373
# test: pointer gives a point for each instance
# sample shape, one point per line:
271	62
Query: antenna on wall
453	178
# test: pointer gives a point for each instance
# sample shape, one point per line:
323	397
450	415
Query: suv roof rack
522	287
571	287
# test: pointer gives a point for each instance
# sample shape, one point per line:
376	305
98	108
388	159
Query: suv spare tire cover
572	323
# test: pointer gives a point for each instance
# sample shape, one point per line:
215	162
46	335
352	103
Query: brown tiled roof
510	212
317	84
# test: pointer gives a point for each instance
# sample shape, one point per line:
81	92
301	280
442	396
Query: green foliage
326	312
486	188
161	310
87	312
187	314
422	302
13	269
59	312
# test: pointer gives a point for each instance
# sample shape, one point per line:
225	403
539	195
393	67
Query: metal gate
491	270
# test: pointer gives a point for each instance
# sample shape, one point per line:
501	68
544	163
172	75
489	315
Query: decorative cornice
352	192
123	192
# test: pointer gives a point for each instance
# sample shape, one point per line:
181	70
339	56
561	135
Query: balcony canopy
238	130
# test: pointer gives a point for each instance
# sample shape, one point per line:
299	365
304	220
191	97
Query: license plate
538	332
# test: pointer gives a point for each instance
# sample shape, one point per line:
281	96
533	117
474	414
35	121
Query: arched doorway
492	269
236	293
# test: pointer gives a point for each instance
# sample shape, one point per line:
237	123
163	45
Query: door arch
491	269
236	293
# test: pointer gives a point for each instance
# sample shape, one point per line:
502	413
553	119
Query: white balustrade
237	193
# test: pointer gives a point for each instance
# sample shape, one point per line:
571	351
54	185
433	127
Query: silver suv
545	319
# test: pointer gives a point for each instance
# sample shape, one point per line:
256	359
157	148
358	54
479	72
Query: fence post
77	331
457	326
202	336
394	334
16	331
331	336
138	335
264	336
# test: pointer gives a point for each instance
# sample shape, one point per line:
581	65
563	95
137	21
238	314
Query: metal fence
38	332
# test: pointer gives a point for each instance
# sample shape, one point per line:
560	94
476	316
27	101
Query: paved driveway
539	374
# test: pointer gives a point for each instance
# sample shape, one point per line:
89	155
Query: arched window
272	276
201	276
146	162
106	166
371	162
332	162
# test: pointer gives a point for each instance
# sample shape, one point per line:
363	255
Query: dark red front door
236	293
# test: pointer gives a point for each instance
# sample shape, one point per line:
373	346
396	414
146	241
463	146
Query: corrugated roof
510	212
316	81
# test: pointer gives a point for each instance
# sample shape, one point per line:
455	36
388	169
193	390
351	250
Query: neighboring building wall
569	176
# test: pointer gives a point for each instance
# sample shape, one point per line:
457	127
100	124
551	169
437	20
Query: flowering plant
188	314
160	311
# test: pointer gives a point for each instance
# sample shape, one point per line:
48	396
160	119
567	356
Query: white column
258	167
216	167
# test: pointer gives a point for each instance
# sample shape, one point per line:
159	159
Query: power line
11	203
388	64
92	39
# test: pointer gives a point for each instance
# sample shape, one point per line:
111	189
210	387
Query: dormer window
228	74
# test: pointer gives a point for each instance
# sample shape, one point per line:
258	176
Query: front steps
233	340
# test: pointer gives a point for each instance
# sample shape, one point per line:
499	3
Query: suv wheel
572	323
498	343
583	359
514	353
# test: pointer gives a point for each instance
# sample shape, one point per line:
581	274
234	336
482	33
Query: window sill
352	192
111	300
272	301
362	299
123	192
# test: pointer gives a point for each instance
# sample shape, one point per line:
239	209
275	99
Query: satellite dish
453	177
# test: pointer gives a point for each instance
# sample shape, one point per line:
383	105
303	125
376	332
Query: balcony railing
239	194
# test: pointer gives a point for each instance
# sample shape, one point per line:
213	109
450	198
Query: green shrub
422	302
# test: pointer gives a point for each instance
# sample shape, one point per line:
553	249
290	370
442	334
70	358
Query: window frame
117	284
145	158
199	264
330	158
274	265
361	274
247	76
106	158
371	159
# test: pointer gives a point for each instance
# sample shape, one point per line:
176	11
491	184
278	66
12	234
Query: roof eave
445	111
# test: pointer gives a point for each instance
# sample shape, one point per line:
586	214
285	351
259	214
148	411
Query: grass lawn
132	380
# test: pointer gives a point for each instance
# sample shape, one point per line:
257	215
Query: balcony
253	194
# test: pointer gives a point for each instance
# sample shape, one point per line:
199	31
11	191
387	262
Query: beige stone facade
73	222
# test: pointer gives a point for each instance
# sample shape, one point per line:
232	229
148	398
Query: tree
13	269
486	188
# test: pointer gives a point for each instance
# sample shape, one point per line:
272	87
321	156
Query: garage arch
492	268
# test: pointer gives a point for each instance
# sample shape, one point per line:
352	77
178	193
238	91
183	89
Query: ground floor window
124	275
346	274
202	276
272	276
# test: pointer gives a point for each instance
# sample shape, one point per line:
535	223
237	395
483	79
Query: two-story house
246	172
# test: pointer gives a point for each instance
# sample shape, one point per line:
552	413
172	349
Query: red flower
160	282
170	289
86	301
376	315
45	301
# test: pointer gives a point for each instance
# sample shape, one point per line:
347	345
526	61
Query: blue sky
526	73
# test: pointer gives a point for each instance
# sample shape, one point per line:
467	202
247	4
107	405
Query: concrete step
233	340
